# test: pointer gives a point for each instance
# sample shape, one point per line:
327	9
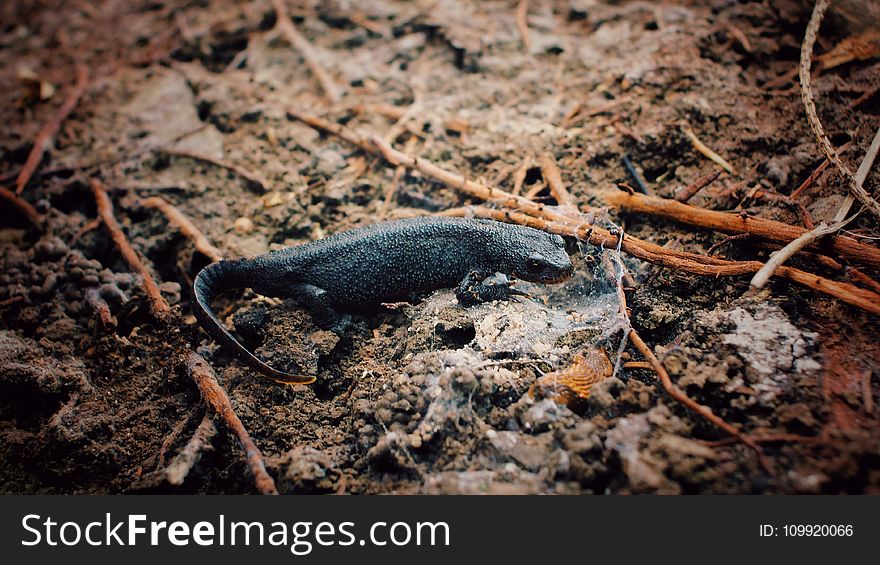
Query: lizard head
543	259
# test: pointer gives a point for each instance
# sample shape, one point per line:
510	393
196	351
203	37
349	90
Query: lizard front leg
472	290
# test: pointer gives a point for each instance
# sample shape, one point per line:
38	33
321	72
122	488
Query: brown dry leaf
572	385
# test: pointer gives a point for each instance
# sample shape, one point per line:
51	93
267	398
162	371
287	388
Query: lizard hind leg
320	304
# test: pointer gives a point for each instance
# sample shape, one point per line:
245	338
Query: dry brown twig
301	44
706	152
693	188
704	411
203	375
183	462
44	138
23	207
105	211
823	229
240	171
856	189
727	222
553	176
186	227
199	369
522	24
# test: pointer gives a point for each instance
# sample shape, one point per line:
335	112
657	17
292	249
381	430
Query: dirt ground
427	397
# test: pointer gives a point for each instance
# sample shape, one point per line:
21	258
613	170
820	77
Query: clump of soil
428	396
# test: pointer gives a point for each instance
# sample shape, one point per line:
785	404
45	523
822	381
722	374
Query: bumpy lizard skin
382	262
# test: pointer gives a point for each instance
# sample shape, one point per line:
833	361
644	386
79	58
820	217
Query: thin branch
855	187
240	171
551	173
22	206
693	188
840	220
679	395
706	152
203	375
301	44
105	211
522	24
186	227
44	138
183	462
737	223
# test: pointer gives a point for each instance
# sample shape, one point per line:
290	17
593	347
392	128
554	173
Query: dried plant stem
377	146
105	211
240	171
183	462
301	44
806	61
203	375
706	152
738	223
22	206
553	176
693	188
44	138
704	411
186	227
522	24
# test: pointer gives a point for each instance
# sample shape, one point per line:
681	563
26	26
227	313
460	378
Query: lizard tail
224	275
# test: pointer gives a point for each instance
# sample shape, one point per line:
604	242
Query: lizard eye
534	265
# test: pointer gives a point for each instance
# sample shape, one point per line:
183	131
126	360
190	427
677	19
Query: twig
391	190
22	206
778	258
818	171
729	239
861	175
693	188
11	300
377	146
806	61
519	177
301	44
105	211
202	373
840	220
737	223
679	260
91	225
183	462
551	173
522	24
240	171
867	395
100	306
708	153
704	411
186	227
469	187
44	138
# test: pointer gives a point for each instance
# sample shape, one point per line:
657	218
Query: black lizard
381	262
